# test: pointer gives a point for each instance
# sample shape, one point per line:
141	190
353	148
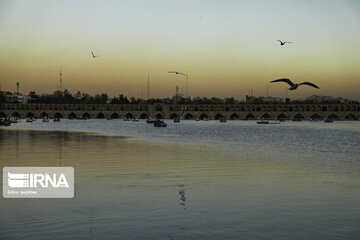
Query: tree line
65	97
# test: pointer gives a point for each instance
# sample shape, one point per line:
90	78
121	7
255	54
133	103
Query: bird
94	56
294	86
282	43
177	73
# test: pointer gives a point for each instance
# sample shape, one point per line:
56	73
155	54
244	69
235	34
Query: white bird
282	43
177	73
294	86
94	56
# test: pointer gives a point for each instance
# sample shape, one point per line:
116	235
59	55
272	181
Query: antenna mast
187	79
148	87
61	86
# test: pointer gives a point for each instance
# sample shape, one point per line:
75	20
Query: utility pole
61	86
148	87
187	80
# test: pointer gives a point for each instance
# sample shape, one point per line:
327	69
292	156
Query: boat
205	119
159	123
150	120
196	119
29	120
328	121
56	120
223	120
14	120
5	122
135	120
262	122
126	119
45	119
176	120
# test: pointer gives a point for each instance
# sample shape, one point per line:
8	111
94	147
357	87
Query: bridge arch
282	116
173	116
30	115
86	116
100	115
235	116
144	116
2	115
159	116
58	115
72	116
315	116
266	116
219	116
43	115
250	116
298	117
203	116
350	117
115	115
333	116
189	116
129	116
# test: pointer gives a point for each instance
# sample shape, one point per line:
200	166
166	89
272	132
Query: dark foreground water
193	180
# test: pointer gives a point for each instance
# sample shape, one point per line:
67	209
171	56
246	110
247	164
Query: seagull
94	56
282	43
177	73
294	85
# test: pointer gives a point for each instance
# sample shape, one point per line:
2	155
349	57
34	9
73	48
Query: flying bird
177	73
94	56
282	43
294	86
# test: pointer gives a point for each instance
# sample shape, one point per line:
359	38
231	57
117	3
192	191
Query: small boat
126	119
56	120
262	122
159	123
33	119
176	120
205	119
45	119
196	119
150	120
14	120
223	120
5	122
328	121
135	120
29	120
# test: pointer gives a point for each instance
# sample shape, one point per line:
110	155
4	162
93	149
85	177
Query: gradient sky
227	47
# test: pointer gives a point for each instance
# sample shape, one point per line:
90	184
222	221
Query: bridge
243	111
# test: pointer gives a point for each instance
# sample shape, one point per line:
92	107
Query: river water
191	180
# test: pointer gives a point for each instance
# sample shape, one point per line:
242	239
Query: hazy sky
227	47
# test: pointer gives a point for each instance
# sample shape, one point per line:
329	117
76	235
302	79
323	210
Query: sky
228	48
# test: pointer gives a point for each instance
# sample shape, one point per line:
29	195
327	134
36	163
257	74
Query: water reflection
130	189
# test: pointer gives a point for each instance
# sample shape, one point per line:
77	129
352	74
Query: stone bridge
171	111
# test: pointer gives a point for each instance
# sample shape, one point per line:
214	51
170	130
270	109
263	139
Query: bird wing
309	83
283	80
172	72
92	54
287	42
280	41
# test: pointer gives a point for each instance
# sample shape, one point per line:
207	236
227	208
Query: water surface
193	180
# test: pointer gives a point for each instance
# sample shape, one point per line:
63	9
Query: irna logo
34	180
38	182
